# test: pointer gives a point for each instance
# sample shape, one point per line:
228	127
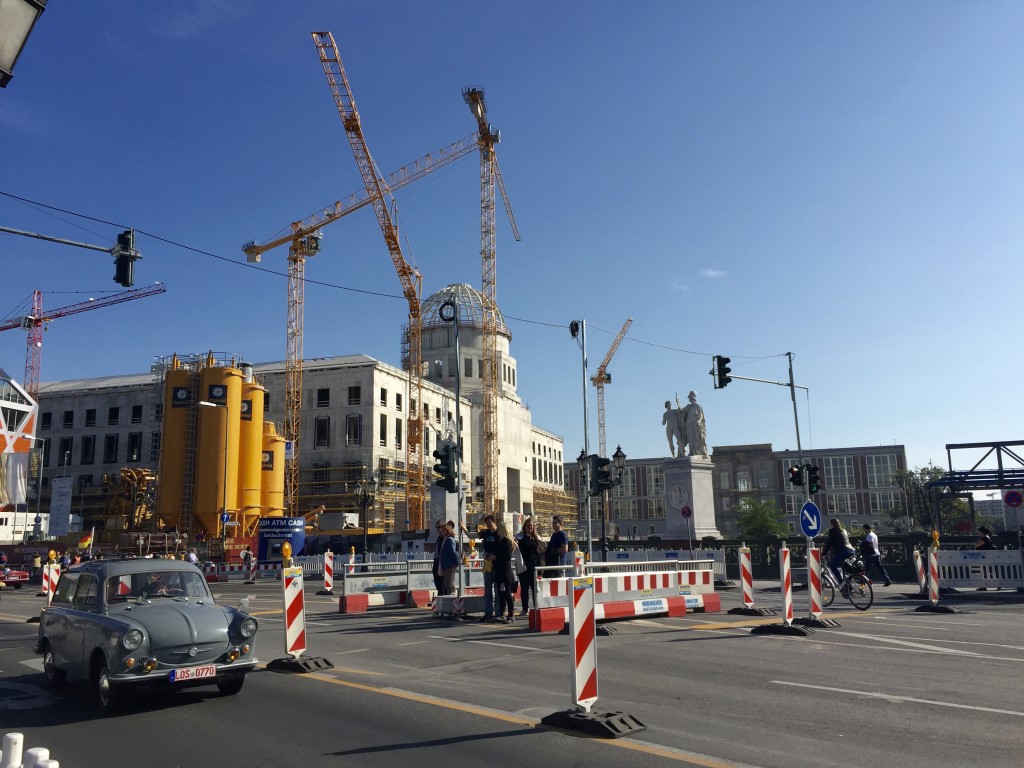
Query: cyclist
838	546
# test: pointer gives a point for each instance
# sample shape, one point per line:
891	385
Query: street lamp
619	462
367	491
16	21
224	509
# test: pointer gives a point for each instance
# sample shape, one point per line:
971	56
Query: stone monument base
689	487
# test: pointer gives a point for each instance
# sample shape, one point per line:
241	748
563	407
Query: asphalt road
891	686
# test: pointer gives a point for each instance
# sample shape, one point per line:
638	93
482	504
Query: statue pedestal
689	483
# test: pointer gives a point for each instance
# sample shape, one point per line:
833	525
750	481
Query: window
624	509
467	367
323	398
46	453
321	478
838	472
322	432
353	429
90	417
47	421
355	395
762	477
398	401
841	503
881	470
437	415
134	447
136	414
383	397
154	446
113	415
383	435
628	485
794	504
743	480
158	412
656	509
110	449
88	449
398	433
64	457
882	503
723	480
266	401
69	419
655	481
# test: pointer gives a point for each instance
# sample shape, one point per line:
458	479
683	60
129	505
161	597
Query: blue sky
840	181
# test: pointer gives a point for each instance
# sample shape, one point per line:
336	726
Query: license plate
193	673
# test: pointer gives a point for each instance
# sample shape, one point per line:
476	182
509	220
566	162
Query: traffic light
722	371
446	456
124	258
796	475
813	481
600	475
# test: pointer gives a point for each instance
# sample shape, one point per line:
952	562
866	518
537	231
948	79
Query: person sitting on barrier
532	550
448	560
557	552
488	542
504	573
872	555
838	544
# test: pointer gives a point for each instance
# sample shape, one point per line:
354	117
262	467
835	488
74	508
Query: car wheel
54	677
107	696
17	586
231	685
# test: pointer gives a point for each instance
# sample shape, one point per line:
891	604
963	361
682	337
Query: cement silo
217	432
176	443
250	446
272	485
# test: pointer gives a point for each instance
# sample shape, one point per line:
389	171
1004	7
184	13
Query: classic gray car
125	624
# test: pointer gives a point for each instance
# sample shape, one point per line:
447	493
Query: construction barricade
407	584
627	590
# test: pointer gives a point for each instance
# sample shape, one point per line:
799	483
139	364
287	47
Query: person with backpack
838	546
872	555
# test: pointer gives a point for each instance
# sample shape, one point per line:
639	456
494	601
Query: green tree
760	518
927	503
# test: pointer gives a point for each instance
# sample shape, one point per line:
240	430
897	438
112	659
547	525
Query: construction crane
490	174
304	240
602	377
35	324
411	280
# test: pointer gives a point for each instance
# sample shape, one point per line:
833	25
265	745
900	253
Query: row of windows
111	449
837	473
113	417
354	431
879	503
547	472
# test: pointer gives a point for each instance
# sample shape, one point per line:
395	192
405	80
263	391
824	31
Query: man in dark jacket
489	543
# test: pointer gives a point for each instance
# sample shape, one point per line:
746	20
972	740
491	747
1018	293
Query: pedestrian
3	559
448	559
435	565
246	556
984	538
557	552
532	550
838	544
872	554
504	574
488	543
193	557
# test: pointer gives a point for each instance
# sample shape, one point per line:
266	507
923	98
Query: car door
57	622
82	621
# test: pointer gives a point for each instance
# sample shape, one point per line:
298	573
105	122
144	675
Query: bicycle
855	587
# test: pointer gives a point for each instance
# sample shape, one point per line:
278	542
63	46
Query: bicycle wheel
859	592
828	593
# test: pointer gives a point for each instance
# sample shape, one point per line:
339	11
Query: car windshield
155	584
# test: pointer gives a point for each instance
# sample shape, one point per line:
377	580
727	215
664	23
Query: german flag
86	541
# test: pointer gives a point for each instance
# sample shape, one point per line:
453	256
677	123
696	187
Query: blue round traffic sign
225	517
810	519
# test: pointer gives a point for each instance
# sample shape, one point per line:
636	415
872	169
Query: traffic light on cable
813	481
796	475
722	371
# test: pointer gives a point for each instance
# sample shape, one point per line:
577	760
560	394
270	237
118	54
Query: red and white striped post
294	612
351	567
933	573
250	575
814	581
922	577
51	574
786	580
579	563
583	628
328	574
746	577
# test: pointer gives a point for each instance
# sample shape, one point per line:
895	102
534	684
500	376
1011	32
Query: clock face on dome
678	497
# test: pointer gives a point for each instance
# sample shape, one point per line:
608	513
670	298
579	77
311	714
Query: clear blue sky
843	181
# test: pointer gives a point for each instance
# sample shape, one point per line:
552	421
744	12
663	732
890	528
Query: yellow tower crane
602	377
304	240
411	280
490	174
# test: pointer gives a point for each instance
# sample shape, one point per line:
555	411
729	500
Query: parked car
12	578
123	625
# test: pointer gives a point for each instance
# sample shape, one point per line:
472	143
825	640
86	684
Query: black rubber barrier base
602	629
324	591
744	611
807	621
301	664
781	629
930	608
604	725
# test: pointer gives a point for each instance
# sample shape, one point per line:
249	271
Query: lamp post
16	21
224	509
619	462
367	490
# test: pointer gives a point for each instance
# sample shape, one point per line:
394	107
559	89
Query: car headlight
132	639
248	627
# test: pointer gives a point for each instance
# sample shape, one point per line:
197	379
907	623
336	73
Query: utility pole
578	328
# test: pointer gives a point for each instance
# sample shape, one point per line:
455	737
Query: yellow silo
174	453
272	485
250	444
217	426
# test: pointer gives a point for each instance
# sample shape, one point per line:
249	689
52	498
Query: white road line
969	642
36	664
345	653
499	645
418	642
908	643
894	697
924	622
900	650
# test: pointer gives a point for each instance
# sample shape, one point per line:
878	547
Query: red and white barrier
583	628
351	567
922	577
933	572
294	612
814	581
580	560
329	571
786	582
51	575
250	577
746	577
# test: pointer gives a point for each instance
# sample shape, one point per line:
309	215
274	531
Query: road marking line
908	643
902	650
894	698
970	642
354	650
418	642
499	645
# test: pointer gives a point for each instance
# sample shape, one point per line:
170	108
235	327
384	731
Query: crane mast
602	377
490	175
410	279
35	323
